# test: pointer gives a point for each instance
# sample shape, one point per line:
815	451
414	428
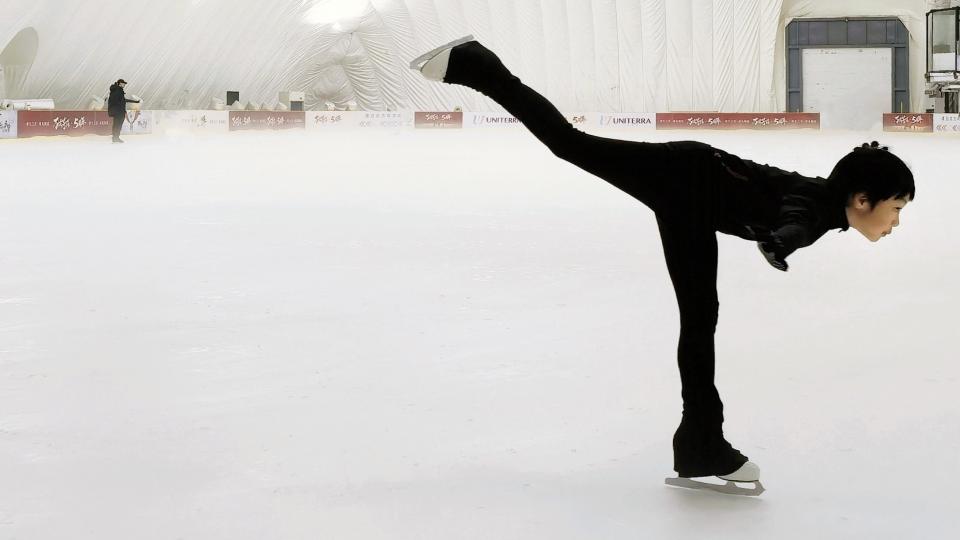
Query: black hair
874	170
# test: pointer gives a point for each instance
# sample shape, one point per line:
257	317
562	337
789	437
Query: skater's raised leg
618	162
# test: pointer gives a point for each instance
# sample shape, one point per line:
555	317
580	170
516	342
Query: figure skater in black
695	191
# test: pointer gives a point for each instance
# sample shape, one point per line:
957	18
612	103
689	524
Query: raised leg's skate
433	64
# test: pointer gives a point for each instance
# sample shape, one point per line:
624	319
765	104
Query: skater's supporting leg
690	248
691	255
622	163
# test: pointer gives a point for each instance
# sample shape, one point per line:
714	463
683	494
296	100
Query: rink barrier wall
26	124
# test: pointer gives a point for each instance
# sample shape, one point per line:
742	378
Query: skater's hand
771	248
772	258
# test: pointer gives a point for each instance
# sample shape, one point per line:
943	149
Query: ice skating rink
436	335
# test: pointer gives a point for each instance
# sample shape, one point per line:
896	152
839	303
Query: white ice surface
436	335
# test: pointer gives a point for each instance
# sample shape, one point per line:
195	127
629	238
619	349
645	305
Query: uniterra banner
633	121
490	120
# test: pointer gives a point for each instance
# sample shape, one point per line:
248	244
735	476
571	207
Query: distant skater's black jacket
758	198
117	104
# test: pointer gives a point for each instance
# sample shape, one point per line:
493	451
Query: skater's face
874	222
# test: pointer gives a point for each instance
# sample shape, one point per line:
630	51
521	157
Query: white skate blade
419	61
729	488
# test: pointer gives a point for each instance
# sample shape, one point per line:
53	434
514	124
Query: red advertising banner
267	120
438	120
72	123
919	123
760	121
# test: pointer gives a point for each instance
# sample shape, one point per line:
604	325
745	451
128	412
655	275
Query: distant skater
695	191
117	107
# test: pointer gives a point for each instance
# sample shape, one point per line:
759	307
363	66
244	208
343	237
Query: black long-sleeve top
117	103
796	209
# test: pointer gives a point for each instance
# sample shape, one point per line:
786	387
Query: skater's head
121	83
875	185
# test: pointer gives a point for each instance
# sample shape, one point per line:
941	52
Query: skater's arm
796	220
791	233
797	216
771	247
793	230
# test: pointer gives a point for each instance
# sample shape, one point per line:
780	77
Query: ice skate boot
700	450
465	62
433	64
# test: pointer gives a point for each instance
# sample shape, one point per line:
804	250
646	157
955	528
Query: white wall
598	55
851	86
585	55
16	59
911	12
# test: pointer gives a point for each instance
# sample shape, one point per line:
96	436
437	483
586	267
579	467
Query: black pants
118	125
674	180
